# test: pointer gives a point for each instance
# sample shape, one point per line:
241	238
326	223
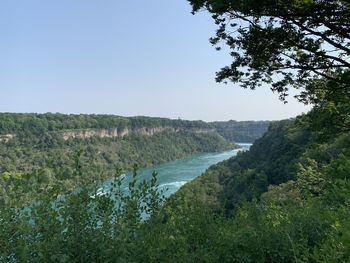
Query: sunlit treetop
281	43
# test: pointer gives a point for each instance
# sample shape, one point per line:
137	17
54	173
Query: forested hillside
43	147
241	131
45	127
34	123
285	200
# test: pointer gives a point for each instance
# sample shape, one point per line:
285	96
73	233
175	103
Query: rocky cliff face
117	132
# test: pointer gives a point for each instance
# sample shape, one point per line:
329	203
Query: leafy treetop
282	43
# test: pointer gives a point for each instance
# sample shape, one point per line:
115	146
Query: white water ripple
176	184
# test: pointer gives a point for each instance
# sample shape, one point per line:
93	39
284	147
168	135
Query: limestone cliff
117	132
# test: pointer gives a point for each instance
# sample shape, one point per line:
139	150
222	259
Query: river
173	175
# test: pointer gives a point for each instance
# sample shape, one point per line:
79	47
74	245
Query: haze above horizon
150	58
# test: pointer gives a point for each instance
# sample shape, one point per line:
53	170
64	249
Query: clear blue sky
120	57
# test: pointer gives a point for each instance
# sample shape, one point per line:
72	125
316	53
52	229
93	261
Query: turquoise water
173	175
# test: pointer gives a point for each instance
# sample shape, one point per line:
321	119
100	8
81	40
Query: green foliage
271	160
33	162
82	226
31	124
339	168
282	43
286	200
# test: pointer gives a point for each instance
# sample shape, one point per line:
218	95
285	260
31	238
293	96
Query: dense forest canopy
31	127
39	123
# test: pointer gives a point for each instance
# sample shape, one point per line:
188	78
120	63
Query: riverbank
172	175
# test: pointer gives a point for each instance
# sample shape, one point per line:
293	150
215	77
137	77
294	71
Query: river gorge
172	175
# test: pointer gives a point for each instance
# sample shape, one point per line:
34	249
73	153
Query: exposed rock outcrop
117	132
7	137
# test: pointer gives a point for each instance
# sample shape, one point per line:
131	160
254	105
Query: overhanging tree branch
299	41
